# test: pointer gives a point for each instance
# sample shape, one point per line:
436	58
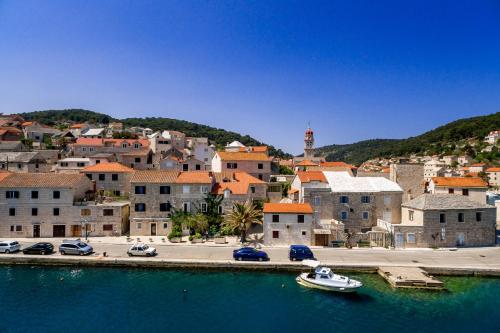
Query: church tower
309	144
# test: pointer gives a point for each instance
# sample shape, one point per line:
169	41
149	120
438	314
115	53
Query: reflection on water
129	300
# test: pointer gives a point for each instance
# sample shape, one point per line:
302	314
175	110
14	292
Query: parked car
249	253
9	246
75	247
141	250
300	252
39	248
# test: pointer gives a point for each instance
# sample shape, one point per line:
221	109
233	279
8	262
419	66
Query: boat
323	278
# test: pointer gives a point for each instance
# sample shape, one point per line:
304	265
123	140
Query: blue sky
354	69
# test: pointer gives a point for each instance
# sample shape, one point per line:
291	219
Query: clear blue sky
353	69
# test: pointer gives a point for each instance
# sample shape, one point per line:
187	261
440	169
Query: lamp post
85	223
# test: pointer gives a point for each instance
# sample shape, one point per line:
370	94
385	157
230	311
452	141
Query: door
387	216
59	231
36	230
153	229
76	230
399	239
322	240
460	239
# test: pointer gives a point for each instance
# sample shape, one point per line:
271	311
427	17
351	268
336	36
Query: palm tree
197	222
241	218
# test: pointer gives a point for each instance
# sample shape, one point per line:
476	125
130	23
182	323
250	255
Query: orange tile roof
114	142
495	169
254	149
108	167
154	176
238	156
478	165
237	182
337	164
292	190
302	208
78	125
386	170
306	163
43	180
459	181
4	174
27	123
194	177
309	176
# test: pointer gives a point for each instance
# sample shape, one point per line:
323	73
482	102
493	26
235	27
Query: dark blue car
249	253
300	252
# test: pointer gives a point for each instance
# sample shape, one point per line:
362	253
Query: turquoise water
34	299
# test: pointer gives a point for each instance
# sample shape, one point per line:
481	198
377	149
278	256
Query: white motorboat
323	278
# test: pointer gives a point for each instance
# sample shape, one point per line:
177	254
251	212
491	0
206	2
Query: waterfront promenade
464	260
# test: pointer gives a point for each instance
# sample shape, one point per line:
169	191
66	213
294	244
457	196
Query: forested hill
446	139
219	137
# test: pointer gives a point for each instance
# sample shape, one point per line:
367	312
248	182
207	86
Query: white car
9	246
141	250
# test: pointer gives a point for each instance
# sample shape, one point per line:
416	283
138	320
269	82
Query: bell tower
309	144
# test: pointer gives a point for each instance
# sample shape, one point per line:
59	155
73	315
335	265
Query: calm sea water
34	299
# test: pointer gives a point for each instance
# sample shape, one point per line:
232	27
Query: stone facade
255	164
111	183
287	224
410	177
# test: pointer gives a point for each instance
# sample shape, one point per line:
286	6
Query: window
442	218
137	160
300	218
260	166
276	218
116	193
19	166
89	176
107	212
387	200
12	194
164	189
16	228
344	215
185	189
185	207
252	189
80	164
114	177
410	215
165	207
12	212
260	176
276	234
203	207
136	145
102	176
140	207
465	191
56	195
64	164
304	233
365	215
365	199
460	217
139	225
165	225
97	161
34	211
220	210
197	167
85	212
232	165
410	238
185	167
55	211
124	145
479	216
84	149
204	189
443	234
451	191
317	201
107	227
344	199
140	190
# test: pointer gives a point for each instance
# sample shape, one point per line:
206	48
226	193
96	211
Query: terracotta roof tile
337	164
309	176
306	163
459	181
194	177
44	180
254	149
155	176
238	156
108	167
302	208
495	169
236	182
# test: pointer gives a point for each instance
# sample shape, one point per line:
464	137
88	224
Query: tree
214	218
241	218
179	218
198	223
284	170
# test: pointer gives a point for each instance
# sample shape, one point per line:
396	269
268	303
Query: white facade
286	229
433	168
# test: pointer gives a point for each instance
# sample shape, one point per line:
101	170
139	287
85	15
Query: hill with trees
218	136
452	138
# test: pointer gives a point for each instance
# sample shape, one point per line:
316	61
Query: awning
322	231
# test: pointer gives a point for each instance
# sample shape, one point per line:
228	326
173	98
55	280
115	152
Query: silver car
9	246
75	247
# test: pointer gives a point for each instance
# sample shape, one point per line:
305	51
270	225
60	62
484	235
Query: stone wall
410	177
290	231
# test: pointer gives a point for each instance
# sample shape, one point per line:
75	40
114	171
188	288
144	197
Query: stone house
188	164
163	142
72	164
111	179
38	132
493	176
473	187
24	162
201	150
78	129
94	133
464	160
256	164
107	218
477	168
238	187
492	137
445	220
9	133
410	177
287	223
433	168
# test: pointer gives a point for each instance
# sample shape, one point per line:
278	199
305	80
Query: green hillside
219	137
447	139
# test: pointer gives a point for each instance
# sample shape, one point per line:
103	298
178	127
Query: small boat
323	278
